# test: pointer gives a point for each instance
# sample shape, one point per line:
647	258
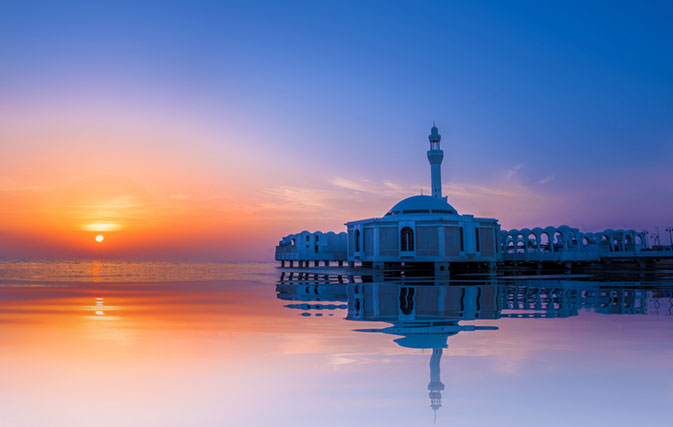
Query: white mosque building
418	229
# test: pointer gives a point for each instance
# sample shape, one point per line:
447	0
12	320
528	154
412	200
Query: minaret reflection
424	313
435	386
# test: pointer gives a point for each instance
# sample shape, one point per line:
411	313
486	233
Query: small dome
422	205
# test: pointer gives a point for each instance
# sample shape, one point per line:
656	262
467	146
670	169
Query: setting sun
99	238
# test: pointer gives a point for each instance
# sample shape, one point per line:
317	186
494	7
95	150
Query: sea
109	343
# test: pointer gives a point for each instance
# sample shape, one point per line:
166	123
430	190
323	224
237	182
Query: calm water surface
165	344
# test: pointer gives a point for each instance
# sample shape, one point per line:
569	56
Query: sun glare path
99	238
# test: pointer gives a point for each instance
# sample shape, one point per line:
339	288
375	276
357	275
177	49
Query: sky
208	130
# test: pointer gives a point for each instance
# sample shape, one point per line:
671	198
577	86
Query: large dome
422	205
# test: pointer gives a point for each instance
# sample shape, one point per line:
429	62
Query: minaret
435	157
436	387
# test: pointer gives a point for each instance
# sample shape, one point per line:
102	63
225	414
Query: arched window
617	245
545	244
407	239
357	240
532	243
558	240
520	243
509	244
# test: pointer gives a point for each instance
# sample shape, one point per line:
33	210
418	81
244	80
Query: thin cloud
513	171
294	198
351	185
514	203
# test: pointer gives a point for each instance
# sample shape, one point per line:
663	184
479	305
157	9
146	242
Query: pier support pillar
441	269
568	267
291	263
377	265
316	263
492	266
341	263
351	264
282	263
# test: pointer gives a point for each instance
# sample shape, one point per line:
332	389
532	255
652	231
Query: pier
569	248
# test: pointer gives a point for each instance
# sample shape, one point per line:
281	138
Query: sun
99	238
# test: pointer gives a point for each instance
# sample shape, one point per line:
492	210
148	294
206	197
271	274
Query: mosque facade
418	229
424	229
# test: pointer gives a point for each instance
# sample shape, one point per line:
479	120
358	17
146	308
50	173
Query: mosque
426	231
418	229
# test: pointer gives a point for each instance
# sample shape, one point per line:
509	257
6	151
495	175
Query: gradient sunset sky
208	130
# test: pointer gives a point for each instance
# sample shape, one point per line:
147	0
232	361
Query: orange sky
186	192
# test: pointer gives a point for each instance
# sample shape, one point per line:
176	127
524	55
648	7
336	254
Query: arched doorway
545	245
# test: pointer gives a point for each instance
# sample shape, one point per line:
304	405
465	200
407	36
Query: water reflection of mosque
425	313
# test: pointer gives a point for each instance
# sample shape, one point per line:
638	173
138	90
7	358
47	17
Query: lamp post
670	236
